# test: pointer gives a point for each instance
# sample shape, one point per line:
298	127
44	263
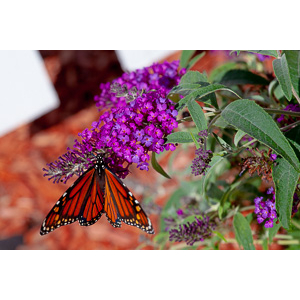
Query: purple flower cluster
230	55
262	57
266	210
288	119
181	214
203	157
161	77
126	134
137	120
296	201
193	232
129	133
73	162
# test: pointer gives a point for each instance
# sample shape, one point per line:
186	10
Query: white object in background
26	91
131	60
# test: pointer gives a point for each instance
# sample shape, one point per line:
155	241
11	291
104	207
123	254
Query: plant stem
288	242
289	126
215	118
282	112
187	119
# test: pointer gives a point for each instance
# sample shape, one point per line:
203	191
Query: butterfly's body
98	190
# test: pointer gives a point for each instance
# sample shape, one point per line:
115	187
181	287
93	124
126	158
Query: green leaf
220	235
273	231
194	139
234	77
214	161
185	57
192	77
282	73
285	178
203	91
278	93
197	115
226	196
265	243
246	115
222	143
264	52
217	73
161	237
184	89
179	137
243	232
238	136
296	147
293	61
195	60
197	78
222	123
293	137
157	167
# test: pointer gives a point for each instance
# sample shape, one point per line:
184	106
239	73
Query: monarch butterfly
98	190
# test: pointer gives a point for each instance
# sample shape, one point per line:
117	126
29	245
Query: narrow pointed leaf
185	57
238	136
214	161
293	61
192	77
293	137
273	231
243	232
157	167
179	137
220	235
234	77
185	89
285	178
282	73
249	117
194	60
264	52
197	115
217	73
195	77
203	91
222	143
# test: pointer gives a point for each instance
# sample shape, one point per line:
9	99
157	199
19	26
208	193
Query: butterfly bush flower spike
196	231
156	77
285	119
266	209
203	157
137	120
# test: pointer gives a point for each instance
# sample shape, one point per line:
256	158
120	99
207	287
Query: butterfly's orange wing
82	202
121	205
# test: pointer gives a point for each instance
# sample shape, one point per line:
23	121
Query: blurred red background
26	196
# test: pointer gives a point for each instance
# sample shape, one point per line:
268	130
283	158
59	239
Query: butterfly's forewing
82	202
121	205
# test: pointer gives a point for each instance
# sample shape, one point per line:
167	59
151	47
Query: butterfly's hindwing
128	208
